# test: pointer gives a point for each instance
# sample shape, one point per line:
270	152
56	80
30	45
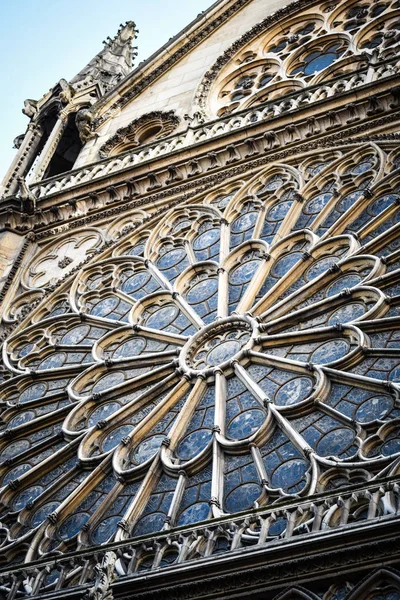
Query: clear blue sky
42	41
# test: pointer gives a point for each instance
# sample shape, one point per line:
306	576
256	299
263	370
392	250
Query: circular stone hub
217	344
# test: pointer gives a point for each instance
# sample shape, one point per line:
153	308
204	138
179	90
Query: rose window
241	350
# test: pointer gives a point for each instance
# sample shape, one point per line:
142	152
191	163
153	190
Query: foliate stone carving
154	182
195	168
198	118
153	125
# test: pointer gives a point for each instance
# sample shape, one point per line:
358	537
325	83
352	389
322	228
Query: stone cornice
212	167
204	135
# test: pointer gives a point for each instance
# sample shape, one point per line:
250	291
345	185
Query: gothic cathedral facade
200	315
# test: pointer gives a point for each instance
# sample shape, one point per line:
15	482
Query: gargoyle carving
67	92
30	108
104	575
84	119
28	200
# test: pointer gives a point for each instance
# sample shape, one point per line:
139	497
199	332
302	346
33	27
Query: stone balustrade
208	131
265	528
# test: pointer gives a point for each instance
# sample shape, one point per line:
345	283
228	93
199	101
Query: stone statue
30	108
18	141
28	200
67	92
84	119
104	575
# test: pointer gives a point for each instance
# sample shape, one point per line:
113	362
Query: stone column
50	147
22	160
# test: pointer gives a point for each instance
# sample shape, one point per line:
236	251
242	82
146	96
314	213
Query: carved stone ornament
84	120
104	576
151	126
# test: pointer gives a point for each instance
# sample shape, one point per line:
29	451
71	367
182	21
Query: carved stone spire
113	63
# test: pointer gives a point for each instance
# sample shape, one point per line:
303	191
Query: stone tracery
316	45
242	352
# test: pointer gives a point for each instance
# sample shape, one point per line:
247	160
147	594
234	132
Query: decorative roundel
315	45
244	349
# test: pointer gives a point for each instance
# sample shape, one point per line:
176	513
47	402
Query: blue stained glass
147	449
150	523
27	496
223	352
193	443
43	512
202	290
242	497
168	558
102	412
279	211
294	391
105	530
15	448
195	513
336	442
320	266
76	335
37	390
162	317
330	351
52	577
348	200
115	436
319	62
136	282
244	272
206	239
391	447
132	347
244	222
277	527
347	313
53	361
284	264
16	472
245	424
379	205
316	204
136	250
26	349
347	281
72	525
273	183
362	167
374	408
104	307
21	418
108	381
289	473
394	375
171	258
